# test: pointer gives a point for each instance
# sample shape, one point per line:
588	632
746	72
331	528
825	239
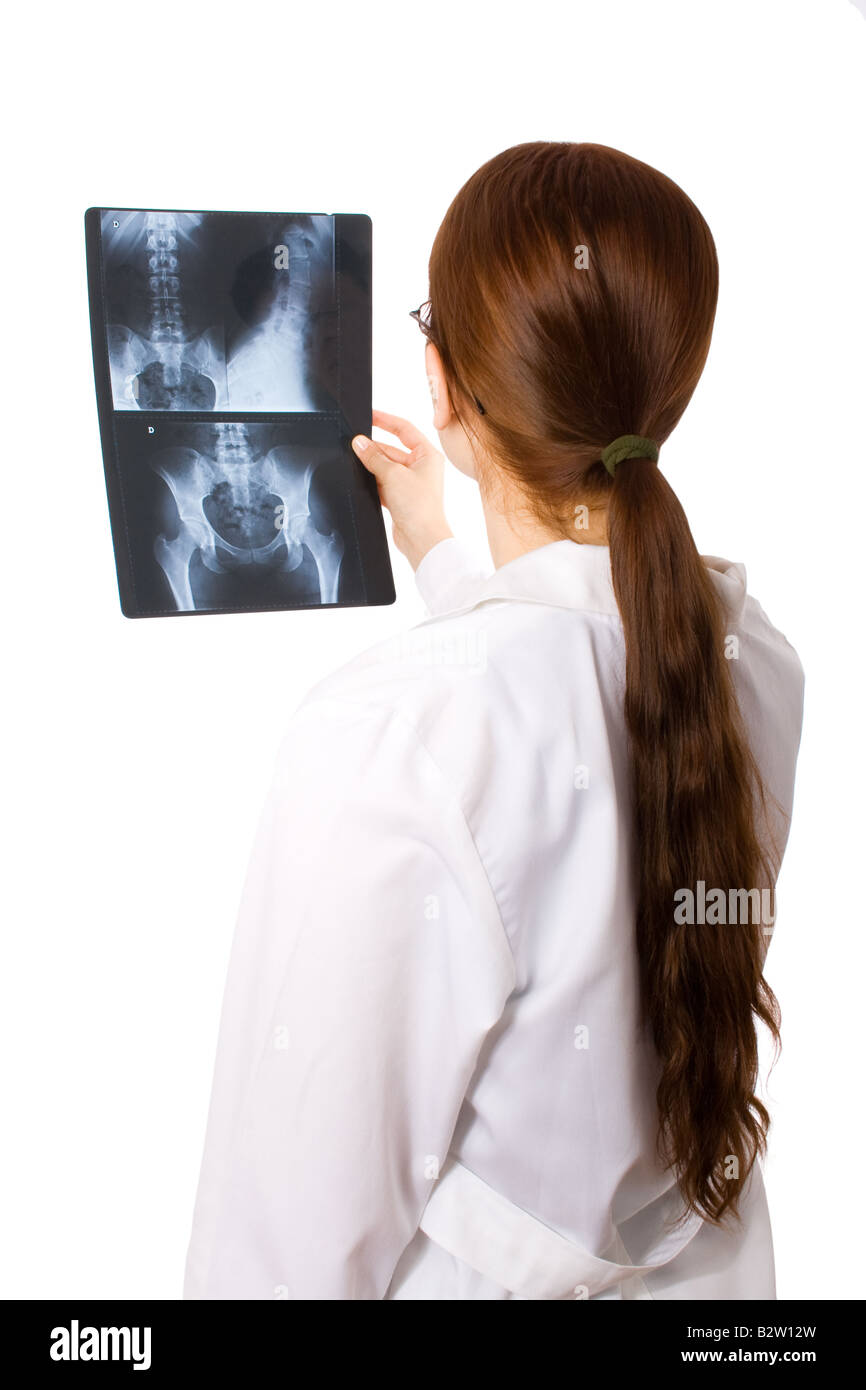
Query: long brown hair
572	297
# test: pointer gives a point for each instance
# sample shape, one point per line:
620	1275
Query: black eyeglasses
423	317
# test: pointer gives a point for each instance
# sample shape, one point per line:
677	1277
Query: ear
442	412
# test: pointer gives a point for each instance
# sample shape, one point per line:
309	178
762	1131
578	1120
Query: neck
512	531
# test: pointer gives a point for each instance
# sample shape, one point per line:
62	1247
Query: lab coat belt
518	1252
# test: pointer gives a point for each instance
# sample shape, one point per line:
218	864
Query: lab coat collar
567	574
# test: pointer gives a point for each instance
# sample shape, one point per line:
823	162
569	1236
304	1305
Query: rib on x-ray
237	507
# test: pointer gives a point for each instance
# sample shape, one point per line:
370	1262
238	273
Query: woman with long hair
491	1023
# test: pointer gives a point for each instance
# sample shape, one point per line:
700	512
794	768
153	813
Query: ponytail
695	791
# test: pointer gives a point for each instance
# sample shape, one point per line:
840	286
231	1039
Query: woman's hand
411	483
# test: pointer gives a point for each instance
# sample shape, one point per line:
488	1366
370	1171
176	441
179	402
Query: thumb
373	458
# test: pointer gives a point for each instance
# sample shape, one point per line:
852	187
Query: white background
137	753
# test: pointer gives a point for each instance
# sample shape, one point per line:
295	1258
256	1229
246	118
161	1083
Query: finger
373	457
406	432
390	450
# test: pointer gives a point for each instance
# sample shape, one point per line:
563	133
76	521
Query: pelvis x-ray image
219	312
243	517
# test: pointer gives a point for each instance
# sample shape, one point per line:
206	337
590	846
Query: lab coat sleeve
369	963
448	577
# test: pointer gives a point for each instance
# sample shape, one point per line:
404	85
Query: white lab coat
431	1081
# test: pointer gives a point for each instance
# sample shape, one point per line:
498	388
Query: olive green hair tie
628	446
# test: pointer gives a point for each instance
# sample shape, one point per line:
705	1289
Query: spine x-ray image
206	313
232	355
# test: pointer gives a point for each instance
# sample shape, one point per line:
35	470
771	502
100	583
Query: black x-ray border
352	263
